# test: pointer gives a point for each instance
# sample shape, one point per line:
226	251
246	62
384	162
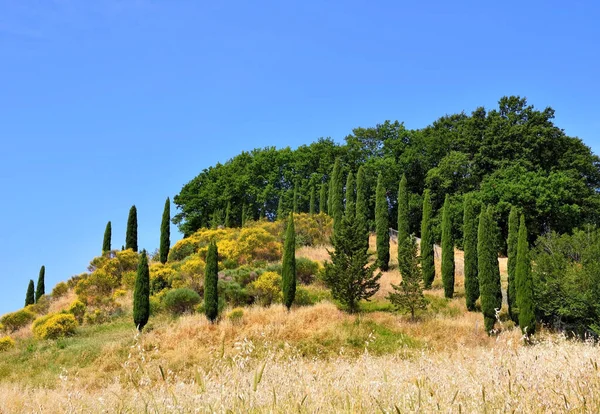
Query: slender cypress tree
350	205
280	208
323	198
312	206
30	295
41	286
382	226
337	197
408	295
488	269
405	253
330	195
361	204
288	271
211	279
107	238
524	283
131	239
427	257
228	215
165	232
470	258
513	240
295	201
141	293
447	251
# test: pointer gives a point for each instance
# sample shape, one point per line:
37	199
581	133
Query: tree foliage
30	295
447	251
350	197
131	238
382	226
470	253
107	238
513	238
165	232
141	293
288	272
41	284
427	253
408	295
337	194
488	269
524	283
211	281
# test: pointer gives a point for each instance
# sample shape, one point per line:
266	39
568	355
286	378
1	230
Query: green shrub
235	315
242	275
156	305
303	297
267	288
17	320
230	264
178	301
55	326
77	309
233	293
306	270
95	317
59	290
6	343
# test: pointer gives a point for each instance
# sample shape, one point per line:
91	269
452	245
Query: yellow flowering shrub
267	288
54	326
6	343
16	320
77	309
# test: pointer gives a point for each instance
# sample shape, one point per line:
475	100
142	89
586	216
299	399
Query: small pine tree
30	295
211	279
513	240
228	215
447	251
337	197
347	275
41	285
323	199
312	206
361	204
382	226
470	257
408	295
107	238
488	269
288	271
141	293
165	232
427	256
350	205
524	283
131	238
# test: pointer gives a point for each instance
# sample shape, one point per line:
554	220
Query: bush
60	290
178	301
77	309
17	320
6	343
303	297
182	249
55	326
156	305
41	306
234	294
306	270
235	315
267	288
96	317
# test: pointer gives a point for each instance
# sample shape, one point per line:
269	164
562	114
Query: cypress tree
513	240
427	256
447	251
41	286
165	232
488	269
141	293
524	283
408	295
470	249
312	200
350	205
228	215
295	201
405	253
131	239
330	196
361	204
337	195
288	271
30	295
382	226
211	279
107	238
280	208
323	199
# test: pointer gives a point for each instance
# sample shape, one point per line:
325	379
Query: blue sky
105	104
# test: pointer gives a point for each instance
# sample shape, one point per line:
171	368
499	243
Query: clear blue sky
105	104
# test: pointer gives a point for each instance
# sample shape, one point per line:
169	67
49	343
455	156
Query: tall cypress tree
228	215
405	250
524	283
323	198
427	256
330	195
165	232
30	295
361	204
107	238
311	208
141	293
288	271
513	240
211	279
382	226
350	205
41	286
337	195
470	249
447	251
488	269
131	238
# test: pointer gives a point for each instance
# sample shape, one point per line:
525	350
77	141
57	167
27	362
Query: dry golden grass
63	302
315	253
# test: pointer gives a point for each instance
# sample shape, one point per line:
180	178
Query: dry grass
314	253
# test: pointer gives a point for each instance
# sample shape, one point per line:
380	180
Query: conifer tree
211	279
323	199
41	285
288	271
141	293
131	238
361	204
30	295
405	253
382	226
350	205
330	196
513	240
228	215
165	232
470	255
295	201
447	251
524	283
311	208
427	256
280	212
337	196
408	295
107	238
488	269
